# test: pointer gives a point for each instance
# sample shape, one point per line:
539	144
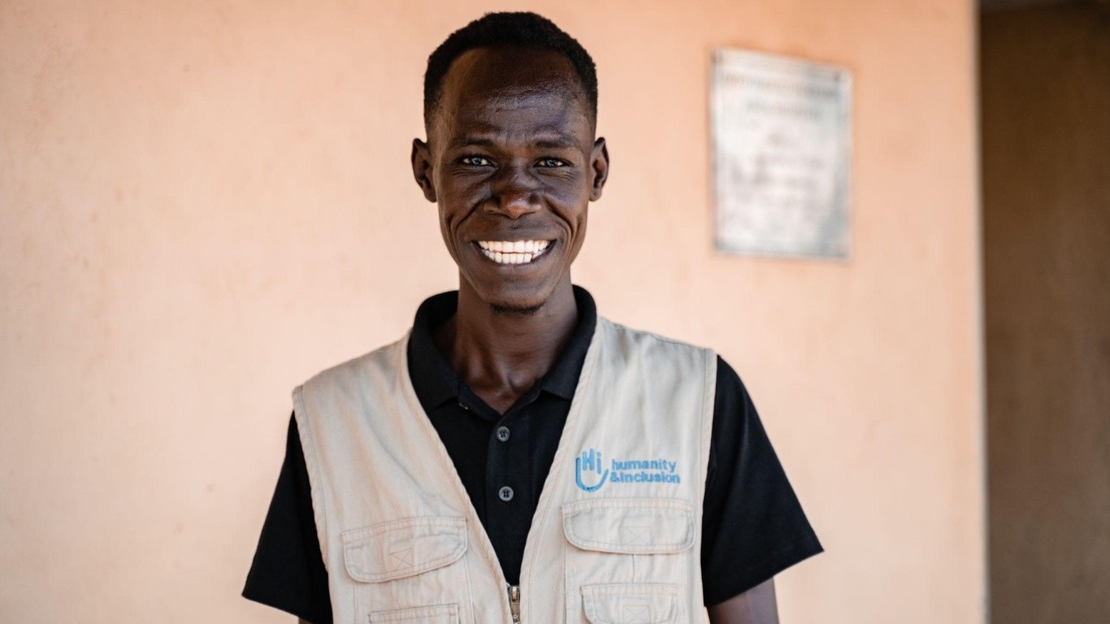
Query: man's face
512	162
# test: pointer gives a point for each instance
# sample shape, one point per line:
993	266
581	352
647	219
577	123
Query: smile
513	252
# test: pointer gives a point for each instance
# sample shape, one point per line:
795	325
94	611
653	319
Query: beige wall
203	203
1046	219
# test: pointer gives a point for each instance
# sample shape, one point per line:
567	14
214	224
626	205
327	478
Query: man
516	457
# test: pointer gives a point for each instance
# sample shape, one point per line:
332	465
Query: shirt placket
508	477
509	487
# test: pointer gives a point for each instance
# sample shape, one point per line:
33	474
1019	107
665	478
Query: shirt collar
434	380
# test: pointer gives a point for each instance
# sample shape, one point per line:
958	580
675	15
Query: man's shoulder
663	357
649	339
385	358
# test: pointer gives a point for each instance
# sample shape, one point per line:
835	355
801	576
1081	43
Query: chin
523	302
516	305
502	310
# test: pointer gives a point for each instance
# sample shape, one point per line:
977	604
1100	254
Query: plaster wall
202	204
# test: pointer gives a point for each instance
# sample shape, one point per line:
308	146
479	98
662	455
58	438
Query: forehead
506	79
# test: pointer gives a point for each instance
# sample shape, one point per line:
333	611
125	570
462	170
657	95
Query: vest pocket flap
402	548
630	526
626	603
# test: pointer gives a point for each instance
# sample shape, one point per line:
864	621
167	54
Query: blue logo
589	461
590	472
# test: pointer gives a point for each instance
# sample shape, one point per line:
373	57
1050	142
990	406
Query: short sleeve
753	525
288	571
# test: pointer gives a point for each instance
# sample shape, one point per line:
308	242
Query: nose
514	192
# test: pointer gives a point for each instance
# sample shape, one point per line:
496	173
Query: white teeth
514	246
513	252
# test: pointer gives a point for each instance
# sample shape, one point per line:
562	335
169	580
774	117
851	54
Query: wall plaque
781	155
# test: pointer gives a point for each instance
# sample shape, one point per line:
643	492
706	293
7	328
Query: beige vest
616	538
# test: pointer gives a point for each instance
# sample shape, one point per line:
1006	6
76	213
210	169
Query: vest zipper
514	602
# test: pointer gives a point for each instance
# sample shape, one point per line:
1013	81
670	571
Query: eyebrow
472	142
557	141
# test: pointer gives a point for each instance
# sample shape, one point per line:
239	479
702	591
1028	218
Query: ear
599	167
422	168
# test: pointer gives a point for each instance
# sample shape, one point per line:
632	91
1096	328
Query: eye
552	162
476	161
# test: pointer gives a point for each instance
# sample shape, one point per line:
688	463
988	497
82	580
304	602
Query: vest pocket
435	614
402	548
621	550
618	603
409	571
630	526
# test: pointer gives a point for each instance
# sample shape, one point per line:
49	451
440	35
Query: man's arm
755	606
288	571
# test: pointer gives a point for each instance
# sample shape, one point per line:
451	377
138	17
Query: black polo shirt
752	527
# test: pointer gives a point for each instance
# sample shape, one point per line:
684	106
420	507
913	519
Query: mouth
513	252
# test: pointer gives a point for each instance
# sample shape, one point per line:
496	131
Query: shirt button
503	434
505	493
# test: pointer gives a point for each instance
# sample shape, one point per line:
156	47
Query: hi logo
589	462
590	472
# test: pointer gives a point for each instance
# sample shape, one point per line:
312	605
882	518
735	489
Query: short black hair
522	29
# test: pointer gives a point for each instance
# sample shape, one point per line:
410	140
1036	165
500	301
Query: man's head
515	30
512	162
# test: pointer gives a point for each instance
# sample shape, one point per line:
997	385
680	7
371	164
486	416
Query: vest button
505	493
503	434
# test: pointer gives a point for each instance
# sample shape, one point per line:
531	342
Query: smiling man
516	457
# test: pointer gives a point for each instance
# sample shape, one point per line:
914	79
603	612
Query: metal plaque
782	155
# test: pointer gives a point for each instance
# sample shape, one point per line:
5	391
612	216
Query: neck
501	354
